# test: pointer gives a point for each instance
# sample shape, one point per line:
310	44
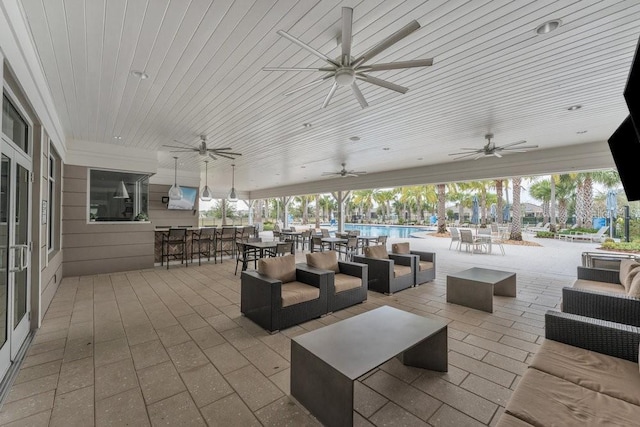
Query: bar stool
205	239
225	241
171	242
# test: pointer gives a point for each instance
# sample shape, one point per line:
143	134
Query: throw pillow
324	260
400	248
627	266
281	268
377	251
634	288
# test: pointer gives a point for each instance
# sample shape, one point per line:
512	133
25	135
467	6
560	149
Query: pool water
393	231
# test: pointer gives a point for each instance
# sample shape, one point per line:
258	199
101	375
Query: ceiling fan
345	70
491	149
203	150
344	172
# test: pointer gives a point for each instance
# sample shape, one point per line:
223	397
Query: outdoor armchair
388	273
426	262
279	295
606	294
347	283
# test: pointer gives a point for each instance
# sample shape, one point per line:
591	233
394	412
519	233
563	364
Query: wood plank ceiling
492	73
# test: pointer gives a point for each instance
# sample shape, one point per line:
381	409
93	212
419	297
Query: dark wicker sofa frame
612	307
423	276
340	300
261	300
381	272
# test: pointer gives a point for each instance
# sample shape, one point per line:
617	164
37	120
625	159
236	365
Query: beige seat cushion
507	420
634	288
425	265
628	270
400	248
546	400
592	285
279	268
296	292
324	260
614	377
344	282
401	270
377	251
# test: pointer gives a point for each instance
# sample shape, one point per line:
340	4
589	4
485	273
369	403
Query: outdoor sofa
585	373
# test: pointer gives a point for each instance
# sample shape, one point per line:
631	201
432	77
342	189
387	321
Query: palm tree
384	198
516	220
442	220
364	199
552	203
304	207
317	199
541	190
565	189
499	207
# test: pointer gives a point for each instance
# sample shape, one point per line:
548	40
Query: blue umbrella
505	212
474	211
612	200
493	212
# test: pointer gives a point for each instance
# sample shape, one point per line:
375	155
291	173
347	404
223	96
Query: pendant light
175	192
206	195
121	191
232	195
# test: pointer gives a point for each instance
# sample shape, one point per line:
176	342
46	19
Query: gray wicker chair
261	299
337	300
613	307
381	272
425	263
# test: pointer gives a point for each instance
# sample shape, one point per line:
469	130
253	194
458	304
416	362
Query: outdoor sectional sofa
585	373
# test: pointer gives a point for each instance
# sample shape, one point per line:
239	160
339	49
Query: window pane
109	201
13	125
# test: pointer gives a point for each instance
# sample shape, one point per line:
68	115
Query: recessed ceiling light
419	158
303	167
117	137
548	26
140	74
307	125
277	174
386	148
574	107
355	138
580	132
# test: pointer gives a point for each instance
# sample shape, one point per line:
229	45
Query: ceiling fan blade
388	42
359	95
350	174
479	155
463	155
382	83
226	157
347	27
330	94
358	172
294	69
228	153
330	173
182	148
307	47
466	154
219	149
397	65
524	147
495	153
315	82
213	157
513	143
182	151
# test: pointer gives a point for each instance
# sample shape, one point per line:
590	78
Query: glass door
15	253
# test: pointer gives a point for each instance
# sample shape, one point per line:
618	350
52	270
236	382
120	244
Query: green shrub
545	234
582	230
621	246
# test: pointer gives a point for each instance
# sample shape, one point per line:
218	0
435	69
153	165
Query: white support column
340	197
285	207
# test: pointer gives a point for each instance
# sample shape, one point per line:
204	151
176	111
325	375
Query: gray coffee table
476	287
326	362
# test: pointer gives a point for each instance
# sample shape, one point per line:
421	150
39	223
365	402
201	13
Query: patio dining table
261	246
333	240
295	234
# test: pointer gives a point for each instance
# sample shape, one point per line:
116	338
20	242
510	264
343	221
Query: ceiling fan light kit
232	194
344	172
346	70
491	149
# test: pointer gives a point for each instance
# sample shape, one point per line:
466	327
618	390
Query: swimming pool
393	231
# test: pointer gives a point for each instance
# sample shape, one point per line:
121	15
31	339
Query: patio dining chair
470	242
455	237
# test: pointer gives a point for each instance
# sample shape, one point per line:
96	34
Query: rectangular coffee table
476	287
326	362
